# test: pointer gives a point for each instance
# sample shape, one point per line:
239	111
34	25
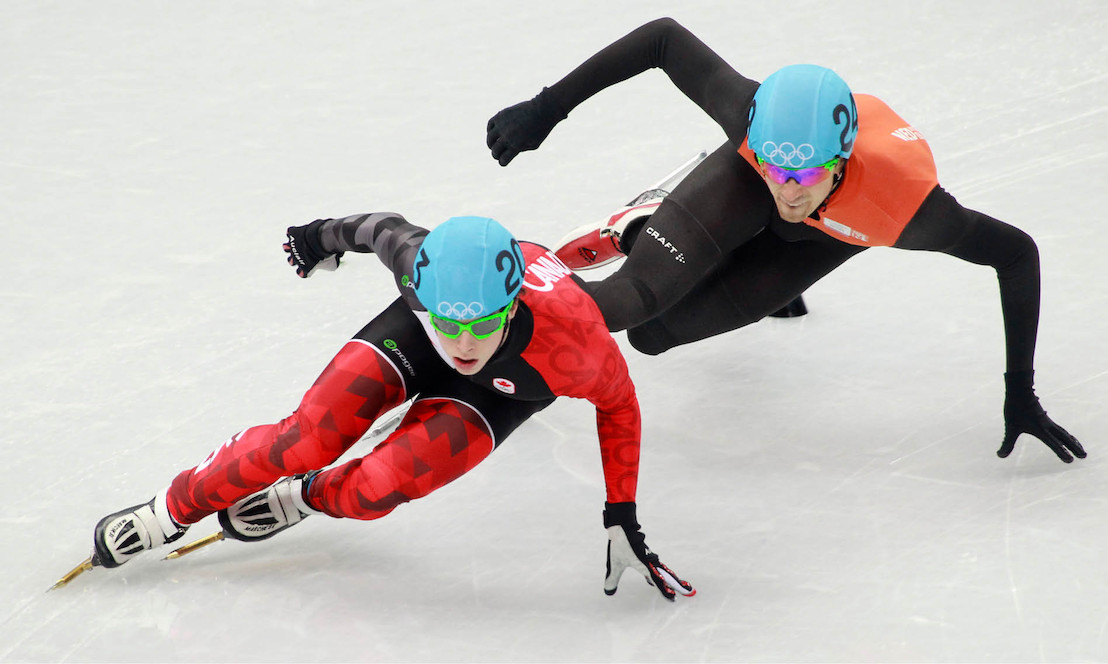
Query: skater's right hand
522	127
306	252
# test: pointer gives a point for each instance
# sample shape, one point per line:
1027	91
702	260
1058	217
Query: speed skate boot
266	513
792	309
597	244
121	536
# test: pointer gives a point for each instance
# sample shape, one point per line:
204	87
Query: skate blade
668	183
73	574
198	544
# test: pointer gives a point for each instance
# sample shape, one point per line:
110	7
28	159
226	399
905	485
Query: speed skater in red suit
486	332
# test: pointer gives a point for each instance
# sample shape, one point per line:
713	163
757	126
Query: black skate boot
121	536
266	513
792	309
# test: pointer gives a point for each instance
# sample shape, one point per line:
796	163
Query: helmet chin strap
838	177
504	337
836	181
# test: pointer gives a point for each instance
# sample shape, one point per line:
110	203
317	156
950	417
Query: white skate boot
266	513
597	244
121	536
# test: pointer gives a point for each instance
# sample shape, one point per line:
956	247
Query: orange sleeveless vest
889	174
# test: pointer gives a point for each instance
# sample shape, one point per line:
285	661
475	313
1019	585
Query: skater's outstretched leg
357	386
608	240
438	441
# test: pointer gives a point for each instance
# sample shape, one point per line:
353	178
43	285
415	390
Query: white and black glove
627	549
306	252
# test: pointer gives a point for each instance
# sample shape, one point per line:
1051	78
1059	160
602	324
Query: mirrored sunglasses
805	177
480	328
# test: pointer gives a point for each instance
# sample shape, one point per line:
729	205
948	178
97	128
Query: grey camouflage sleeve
387	234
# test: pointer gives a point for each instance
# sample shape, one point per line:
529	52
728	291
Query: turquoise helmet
467	267
802	116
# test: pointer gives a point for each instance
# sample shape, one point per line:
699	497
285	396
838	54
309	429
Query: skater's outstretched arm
696	70
388	235
944	225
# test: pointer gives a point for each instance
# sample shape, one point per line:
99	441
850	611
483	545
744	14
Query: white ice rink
829	484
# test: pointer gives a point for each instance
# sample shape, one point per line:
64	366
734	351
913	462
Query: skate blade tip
72	574
189	548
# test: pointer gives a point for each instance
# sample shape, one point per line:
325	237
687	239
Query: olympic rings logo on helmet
787	154
460	310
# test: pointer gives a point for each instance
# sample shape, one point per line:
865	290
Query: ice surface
829	483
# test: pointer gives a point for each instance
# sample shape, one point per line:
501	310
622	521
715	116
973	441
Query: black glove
522	127
1023	414
306	252
627	548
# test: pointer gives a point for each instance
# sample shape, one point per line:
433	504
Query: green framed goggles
805	177
480	328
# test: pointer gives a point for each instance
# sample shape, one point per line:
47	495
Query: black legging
714	257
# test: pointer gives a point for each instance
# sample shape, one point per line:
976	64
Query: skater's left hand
1024	414
627	549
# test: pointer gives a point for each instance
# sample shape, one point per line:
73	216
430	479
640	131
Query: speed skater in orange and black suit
810	175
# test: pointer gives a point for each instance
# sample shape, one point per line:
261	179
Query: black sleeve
942	224
695	69
389	235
